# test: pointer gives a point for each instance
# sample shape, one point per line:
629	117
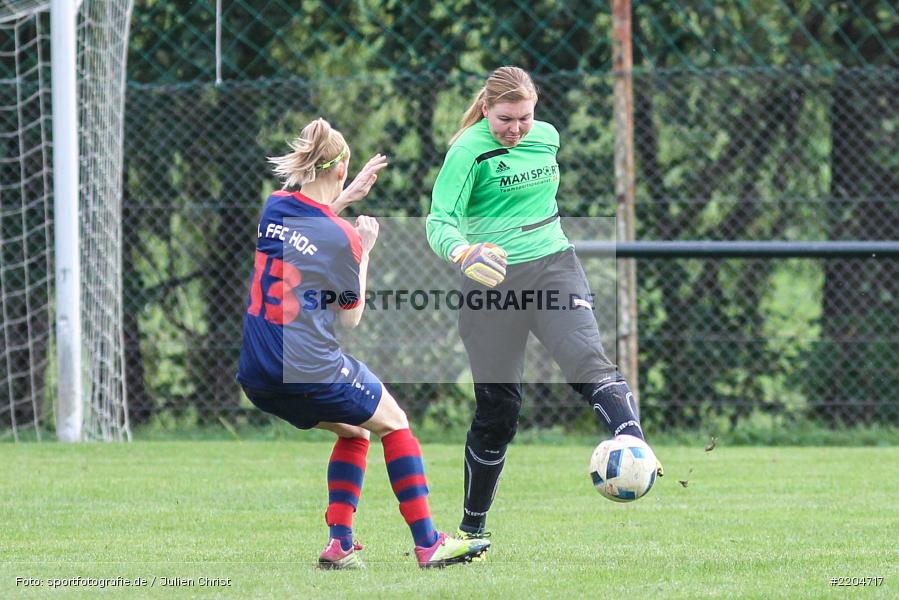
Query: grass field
751	523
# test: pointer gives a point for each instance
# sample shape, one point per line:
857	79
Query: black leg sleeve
483	466
615	406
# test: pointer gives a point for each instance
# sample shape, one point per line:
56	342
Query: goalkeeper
494	213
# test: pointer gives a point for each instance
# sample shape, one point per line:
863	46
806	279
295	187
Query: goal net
28	363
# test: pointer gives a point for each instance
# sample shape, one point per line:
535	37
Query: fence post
622	65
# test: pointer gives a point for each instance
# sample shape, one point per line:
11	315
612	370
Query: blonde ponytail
319	147
472	115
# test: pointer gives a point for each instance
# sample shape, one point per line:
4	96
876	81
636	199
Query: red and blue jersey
306	268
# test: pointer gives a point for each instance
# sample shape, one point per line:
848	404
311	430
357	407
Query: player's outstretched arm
367	227
361	185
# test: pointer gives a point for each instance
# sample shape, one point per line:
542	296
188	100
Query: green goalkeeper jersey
486	192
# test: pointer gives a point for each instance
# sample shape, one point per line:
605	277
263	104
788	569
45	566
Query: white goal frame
64	95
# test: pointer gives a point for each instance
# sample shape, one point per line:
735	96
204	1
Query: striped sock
345	472
407	478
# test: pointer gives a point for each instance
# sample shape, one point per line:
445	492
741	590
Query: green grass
751	523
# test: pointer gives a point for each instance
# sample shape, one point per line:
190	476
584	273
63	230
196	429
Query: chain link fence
753	121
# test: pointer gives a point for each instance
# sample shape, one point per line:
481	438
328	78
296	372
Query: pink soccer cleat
335	557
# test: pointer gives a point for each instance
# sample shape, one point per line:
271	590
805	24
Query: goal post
64	93
62	99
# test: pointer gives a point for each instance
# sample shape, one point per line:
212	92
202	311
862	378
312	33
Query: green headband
333	161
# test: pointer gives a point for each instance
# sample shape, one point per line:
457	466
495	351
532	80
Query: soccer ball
623	469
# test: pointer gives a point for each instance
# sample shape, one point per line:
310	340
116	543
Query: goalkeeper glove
484	263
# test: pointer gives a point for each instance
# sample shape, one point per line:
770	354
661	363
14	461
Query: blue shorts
353	402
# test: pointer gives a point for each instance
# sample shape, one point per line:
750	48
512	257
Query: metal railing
737	249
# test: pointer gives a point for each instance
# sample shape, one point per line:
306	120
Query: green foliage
173	40
743	110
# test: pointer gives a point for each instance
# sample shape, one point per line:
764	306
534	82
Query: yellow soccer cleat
450	551
467	535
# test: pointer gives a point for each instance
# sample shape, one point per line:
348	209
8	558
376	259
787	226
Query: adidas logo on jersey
502	167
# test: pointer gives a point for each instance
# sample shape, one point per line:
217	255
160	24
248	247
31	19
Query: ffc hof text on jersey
292	238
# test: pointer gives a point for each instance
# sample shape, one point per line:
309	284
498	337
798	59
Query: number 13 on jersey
277	300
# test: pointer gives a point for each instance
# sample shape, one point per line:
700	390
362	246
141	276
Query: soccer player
310	271
494	213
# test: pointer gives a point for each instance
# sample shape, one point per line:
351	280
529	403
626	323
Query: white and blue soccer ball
623	469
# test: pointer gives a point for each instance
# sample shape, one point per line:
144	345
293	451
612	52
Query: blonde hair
319	147
506	84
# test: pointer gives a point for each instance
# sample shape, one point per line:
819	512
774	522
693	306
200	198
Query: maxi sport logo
507	183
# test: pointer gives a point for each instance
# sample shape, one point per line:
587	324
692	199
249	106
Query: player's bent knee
495	420
388	417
